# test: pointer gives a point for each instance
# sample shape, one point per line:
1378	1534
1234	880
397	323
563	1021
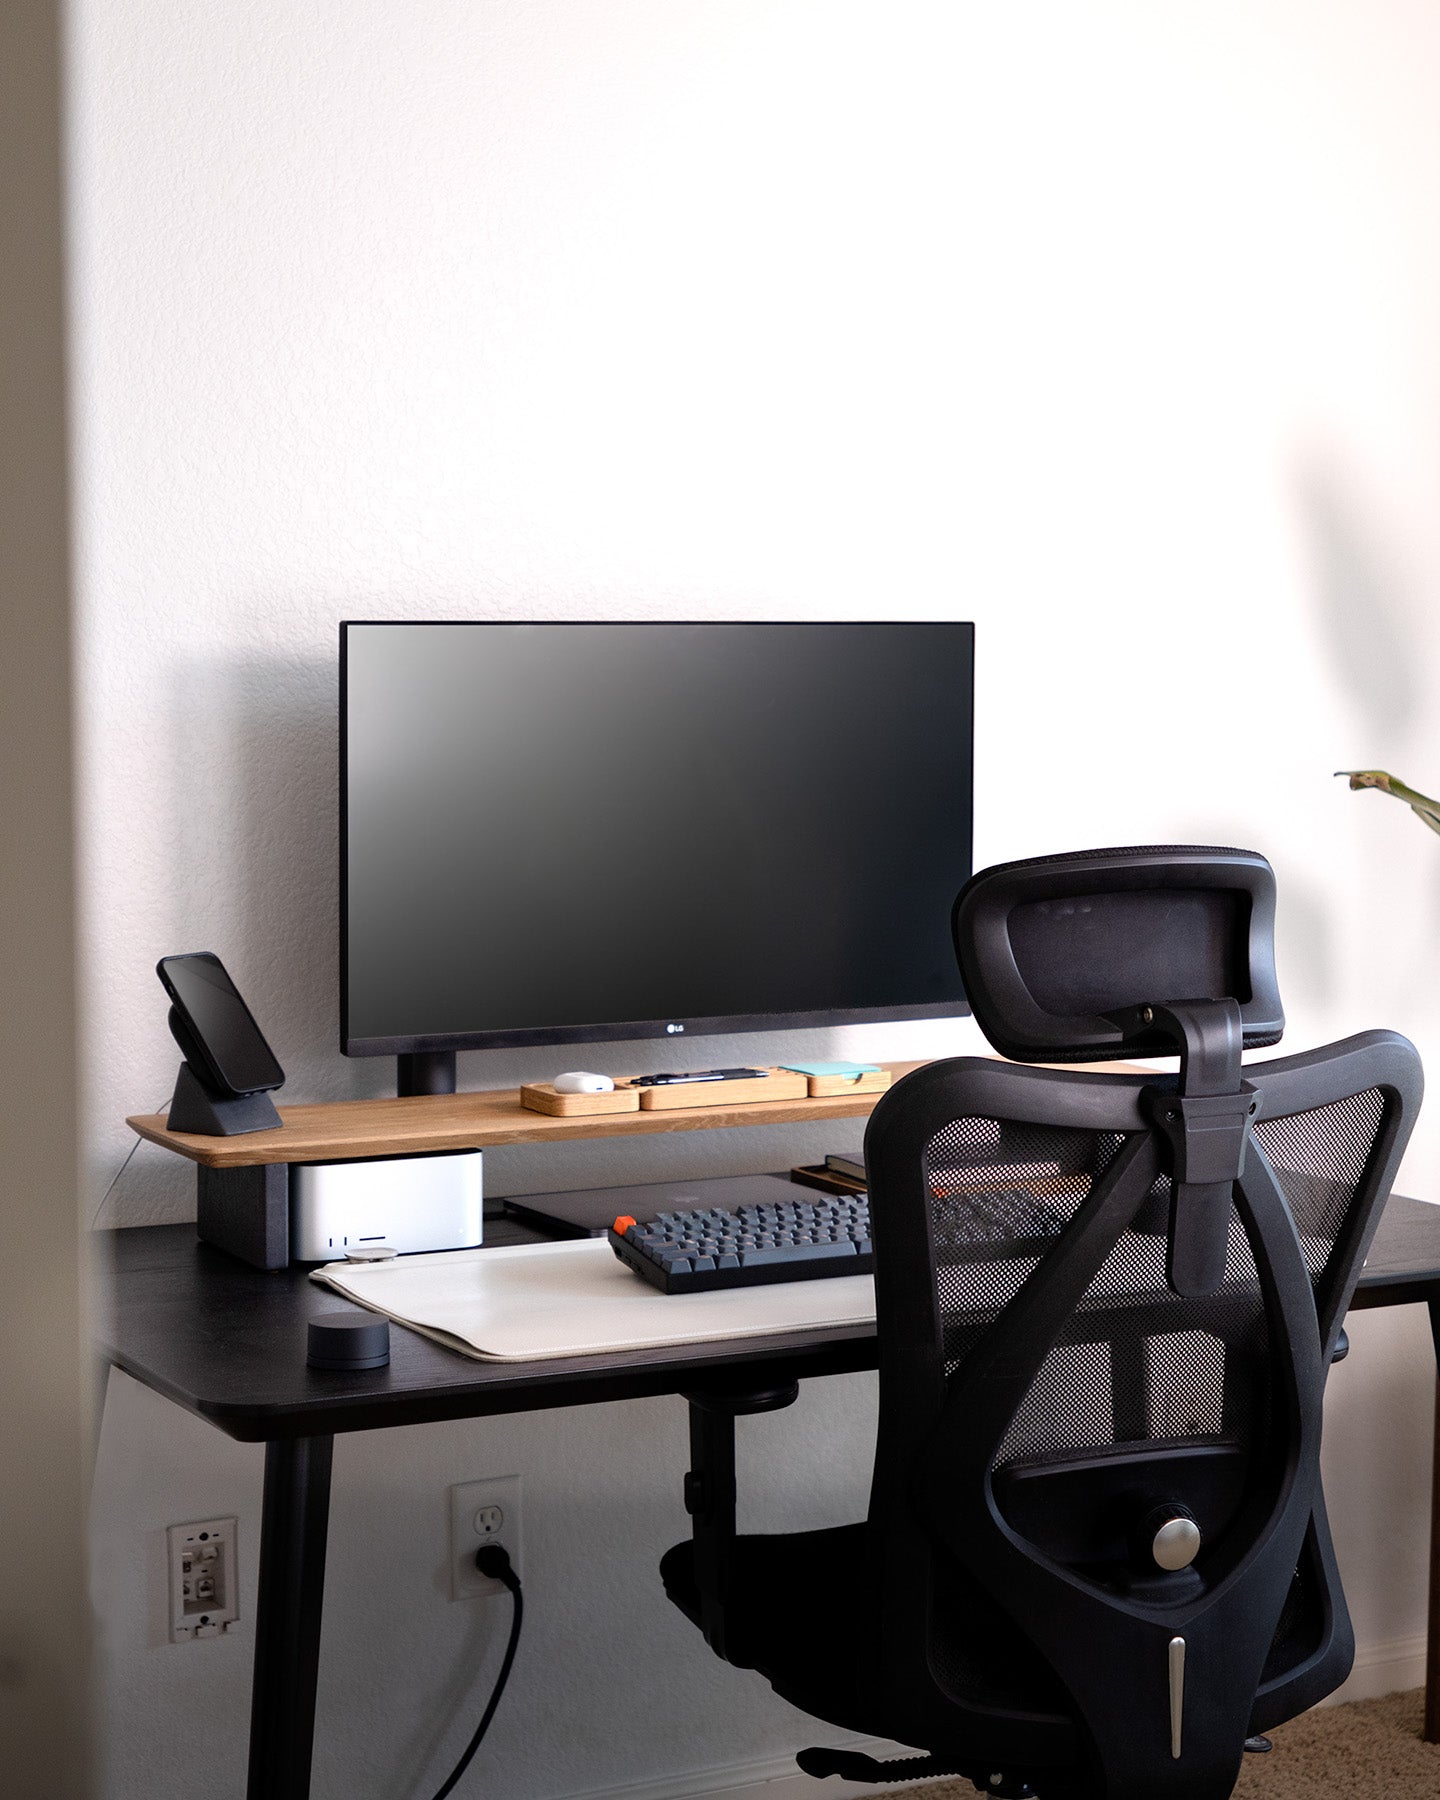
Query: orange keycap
622	1224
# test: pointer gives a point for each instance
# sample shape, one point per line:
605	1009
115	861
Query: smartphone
214	1026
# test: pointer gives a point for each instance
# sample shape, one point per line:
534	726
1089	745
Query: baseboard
776	1778
1382	1669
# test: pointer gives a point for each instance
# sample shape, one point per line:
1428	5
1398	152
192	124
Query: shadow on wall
1306	942
1363	603
253	874
256	832
1372	620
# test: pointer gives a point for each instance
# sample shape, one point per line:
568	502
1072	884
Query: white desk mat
528	1301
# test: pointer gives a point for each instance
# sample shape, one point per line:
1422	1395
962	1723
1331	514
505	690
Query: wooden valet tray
693	1096
829	1181
874	1081
541	1097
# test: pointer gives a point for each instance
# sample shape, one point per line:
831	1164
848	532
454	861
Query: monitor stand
425	1072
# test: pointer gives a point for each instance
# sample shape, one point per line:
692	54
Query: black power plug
493	1561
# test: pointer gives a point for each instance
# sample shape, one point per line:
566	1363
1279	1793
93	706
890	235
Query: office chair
1096	1559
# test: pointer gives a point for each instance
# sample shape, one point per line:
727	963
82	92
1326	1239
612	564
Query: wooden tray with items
540	1096
694	1096
868	1081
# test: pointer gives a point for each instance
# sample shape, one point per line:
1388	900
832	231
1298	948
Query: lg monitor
580	833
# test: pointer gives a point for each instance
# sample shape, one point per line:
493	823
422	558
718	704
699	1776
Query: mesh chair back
1046	1395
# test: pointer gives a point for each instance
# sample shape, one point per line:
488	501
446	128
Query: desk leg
1432	1647
293	1527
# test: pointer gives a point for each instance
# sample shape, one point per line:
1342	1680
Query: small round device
580	1081
348	1340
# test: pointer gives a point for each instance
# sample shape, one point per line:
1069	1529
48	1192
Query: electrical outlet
482	1512
204	1579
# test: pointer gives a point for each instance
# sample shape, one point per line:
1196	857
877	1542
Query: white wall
1109	327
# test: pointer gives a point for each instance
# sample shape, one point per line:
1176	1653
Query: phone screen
220	1019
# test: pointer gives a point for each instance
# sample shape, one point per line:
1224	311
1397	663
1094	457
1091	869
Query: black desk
227	1342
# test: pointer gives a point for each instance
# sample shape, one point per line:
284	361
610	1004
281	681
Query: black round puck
348	1340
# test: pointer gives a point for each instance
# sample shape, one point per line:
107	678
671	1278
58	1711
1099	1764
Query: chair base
852	1765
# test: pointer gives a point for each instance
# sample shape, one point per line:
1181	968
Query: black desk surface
228	1342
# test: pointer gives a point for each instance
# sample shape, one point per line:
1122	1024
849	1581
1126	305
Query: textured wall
1107	327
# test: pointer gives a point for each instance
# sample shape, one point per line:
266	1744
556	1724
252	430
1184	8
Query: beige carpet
1368	1750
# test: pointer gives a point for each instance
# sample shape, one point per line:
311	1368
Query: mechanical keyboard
687	1252
789	1240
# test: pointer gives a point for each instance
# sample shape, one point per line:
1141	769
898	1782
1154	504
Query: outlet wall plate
204	1579
482	1512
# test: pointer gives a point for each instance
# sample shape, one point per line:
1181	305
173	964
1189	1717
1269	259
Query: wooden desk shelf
242	1183
342	1130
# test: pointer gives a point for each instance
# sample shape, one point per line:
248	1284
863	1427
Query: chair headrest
1048	947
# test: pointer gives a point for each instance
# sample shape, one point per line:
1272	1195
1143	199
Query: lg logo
672	1029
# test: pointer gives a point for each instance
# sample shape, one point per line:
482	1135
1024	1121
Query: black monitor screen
571	832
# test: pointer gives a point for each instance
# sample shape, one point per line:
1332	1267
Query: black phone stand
199	1108
209	1111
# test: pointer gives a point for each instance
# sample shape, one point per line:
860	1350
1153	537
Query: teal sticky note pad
834	1068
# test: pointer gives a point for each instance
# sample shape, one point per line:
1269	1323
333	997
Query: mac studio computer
588	833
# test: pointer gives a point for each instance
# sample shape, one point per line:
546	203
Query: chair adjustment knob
1176	1542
